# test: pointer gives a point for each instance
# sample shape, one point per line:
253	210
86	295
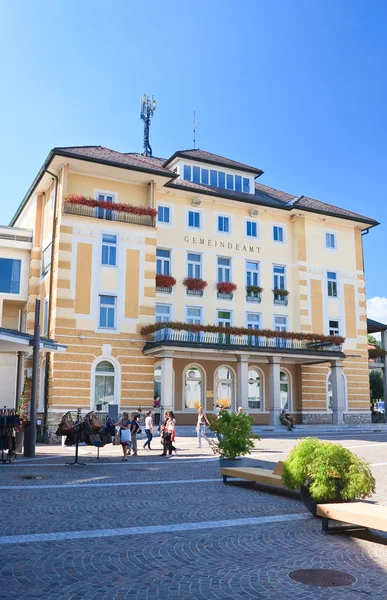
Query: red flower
226	287
114	206
195	283
165	281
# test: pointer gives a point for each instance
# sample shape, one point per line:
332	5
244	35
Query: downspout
48	356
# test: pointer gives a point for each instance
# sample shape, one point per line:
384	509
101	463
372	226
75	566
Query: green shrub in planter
235	434
330	472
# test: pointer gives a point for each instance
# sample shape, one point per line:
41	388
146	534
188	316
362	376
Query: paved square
156	528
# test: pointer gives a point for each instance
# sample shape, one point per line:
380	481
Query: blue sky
297	88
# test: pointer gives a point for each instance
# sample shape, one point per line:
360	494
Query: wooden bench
358	515
264	476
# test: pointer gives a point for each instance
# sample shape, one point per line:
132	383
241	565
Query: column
274	390
384	346
337	392
167	399
242	398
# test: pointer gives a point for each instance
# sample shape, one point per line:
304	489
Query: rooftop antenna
194	128
148	107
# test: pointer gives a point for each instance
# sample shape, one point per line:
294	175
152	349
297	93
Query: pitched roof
215	159
375	326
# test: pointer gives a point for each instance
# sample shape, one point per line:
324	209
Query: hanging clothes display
9	423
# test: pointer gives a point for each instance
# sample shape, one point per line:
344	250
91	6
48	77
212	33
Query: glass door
224	320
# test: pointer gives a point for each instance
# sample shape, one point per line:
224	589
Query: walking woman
148	428
201	428
125	437
163	431
169	434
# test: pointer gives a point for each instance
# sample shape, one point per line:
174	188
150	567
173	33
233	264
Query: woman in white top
148	428
201	428
169	436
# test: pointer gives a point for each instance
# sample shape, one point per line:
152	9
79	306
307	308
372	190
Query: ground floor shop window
193	388
104	384
255	398
224	387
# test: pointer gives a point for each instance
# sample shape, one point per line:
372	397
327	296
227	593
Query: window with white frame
330	240
224	387
45	317
253	320
332	284
46	259
163	261
224	269
10	270
163	214
105	197
252	273
194	265
252	229
223	224
280	323
279	277
255	393
214	178
334	327
194	219
224	318
194	315
278	233
285	390
104	384
107	312
163	313
109	250
193	388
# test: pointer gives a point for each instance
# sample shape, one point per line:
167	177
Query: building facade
115	236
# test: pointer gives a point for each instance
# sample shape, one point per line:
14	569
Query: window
10	275
278	233
285	390
252	273
280	323
163	214
246	185
255	390
163	313
105	197
194	218
279	277
194	265
332	284
334	328
187	173
221	179
224	387
46	259
253	320
238	183
194	315
107	312
205	174
330	240
157	382
45	317
224	318
163	262
193	388
109	249
252	229
196	174
214	178
230	182
104	384
223	224
104	213
224	269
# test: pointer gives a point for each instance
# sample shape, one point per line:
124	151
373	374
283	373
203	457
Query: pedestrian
169	435
163	431
134	430
125	437
240	410
201	428
148	428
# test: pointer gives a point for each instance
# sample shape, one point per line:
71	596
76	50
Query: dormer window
218	179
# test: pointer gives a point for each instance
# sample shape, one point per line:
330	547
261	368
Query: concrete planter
230	462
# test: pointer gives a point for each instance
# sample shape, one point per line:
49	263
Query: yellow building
98	246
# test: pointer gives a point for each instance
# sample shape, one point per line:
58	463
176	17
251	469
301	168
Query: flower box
226	287
112	206
194	284
165	283
253	293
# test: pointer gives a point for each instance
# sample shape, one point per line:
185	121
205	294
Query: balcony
96	212
254	297
280	299
225	296
163	290
227	341
198	293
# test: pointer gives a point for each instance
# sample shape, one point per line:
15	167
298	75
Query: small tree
374	341
376	384
236	436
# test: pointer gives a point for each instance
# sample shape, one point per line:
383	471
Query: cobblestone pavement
156	528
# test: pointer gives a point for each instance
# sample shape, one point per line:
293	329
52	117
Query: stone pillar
167	399
274	390
337	392
242	398
384	346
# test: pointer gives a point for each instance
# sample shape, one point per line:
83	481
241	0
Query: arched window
285	390
255	398
157	382
329	391
104	389
193	388
224	387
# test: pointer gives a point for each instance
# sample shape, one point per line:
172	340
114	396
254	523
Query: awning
375	326
12	340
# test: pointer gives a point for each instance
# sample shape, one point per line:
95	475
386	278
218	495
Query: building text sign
208	243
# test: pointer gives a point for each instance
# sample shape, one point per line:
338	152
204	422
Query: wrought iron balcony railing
204	338
254	297
109	215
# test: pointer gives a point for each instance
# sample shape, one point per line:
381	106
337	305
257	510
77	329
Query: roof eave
256	172
368	222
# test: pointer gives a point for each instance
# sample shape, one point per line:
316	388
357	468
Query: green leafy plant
236	436
376	385
329	471
253	289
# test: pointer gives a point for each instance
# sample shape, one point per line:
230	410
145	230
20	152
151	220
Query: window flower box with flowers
377	354
195	286
86	206
165	283
226	289
281	296
253	293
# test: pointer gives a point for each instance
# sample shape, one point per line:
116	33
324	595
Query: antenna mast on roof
194	128
148	107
